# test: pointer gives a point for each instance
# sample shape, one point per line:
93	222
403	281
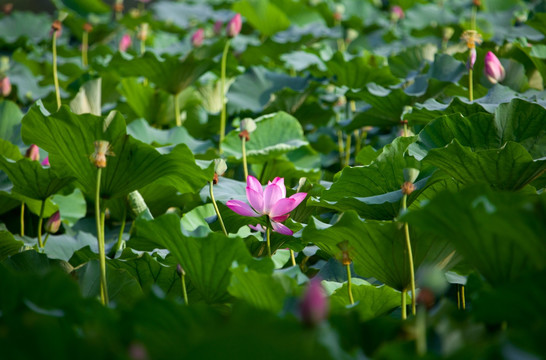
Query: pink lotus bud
5	86
471	59
33	153
397	13
314	305
46	161
53	223
493	68
125	43
234	26
218	25
198	37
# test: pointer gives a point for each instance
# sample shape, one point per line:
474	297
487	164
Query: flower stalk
56	28
177	117
349	284
407	189
268	241
85	43
40	223
211	184
22	219
223	94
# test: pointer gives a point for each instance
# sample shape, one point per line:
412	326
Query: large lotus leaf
31	179
86	7
432	109
275	134
141	130
374	190
64	246
170	73
182	13
419	16
411	61
264	291
263	15
69	139
206	260
508	168
501	234
122	287
10	122
254	89
34	27
378	248
371	301
8	244
72	206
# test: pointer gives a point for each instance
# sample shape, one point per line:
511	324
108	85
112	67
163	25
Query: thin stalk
268	239
216	208
40	243
292	257
23	219
45	240
470	85
55	76
462	297
177	110
223	94
340	147
100	237
348	150
349	284
120	237
243	149
404	312
459	297
184	291
410	257
85	44
357	141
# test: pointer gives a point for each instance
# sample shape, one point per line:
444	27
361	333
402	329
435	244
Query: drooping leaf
10	122
371	301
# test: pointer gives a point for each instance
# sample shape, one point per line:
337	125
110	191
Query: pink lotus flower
198	37
125	43
53	223
5	86
234	26
314	305
493	68
46	161
471	59
397	13
33	153
218	27
271	201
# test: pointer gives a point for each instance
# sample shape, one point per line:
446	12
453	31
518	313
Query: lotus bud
493	68
180	270
397	13
352	35
198	37
46	161
248	124
471	59
218	25
314	305
5	86
53	223
33	153
234	26
447	33
125	43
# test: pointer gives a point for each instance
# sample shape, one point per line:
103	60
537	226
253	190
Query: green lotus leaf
263	15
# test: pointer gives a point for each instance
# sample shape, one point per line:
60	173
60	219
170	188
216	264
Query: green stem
349	284
55	76
357	142
216	208
340	147
462	297
177	111
268	239
223	94
85	44
40	221
348	150
22	219
404	312
123	221
410	257
292	257
470	85
184	291
243	149
99	218
459	297
45	240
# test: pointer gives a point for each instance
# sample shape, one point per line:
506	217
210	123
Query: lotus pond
273	179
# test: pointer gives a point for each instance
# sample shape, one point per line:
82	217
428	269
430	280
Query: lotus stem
45	240
349	284
404	312
40	222
216	208
85	44
268	239
348	150
357	142
223	95
99	217
177	110
55	76
340	146
184	291
470	85
410	257
292	257
243	149
22	219
462	297
123	221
